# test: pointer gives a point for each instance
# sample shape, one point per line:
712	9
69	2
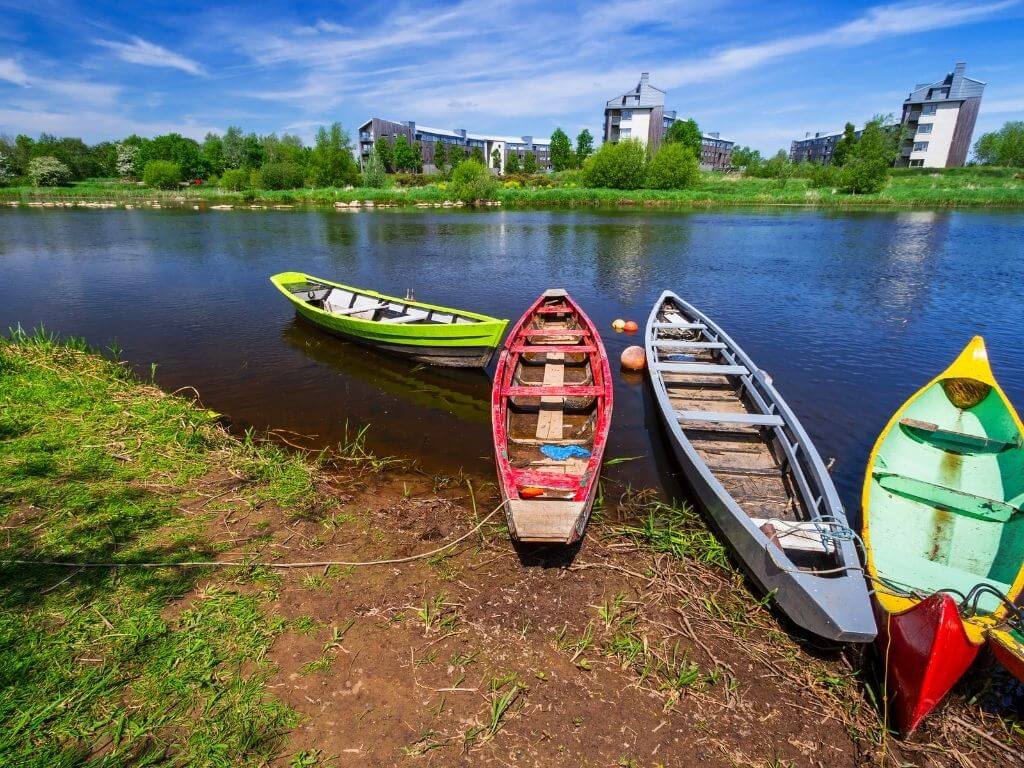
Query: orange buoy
633	359
618	324
530	492
631	326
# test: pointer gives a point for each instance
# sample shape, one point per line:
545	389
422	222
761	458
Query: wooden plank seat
689	345
542	391
357	310
403	319
575	332
702	369
547	480
952	440
754	419
952	499
801	535
554	309
540	349
684	326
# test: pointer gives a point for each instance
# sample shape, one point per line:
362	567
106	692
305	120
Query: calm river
849	312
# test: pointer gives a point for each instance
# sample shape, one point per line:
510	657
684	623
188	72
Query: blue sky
761	74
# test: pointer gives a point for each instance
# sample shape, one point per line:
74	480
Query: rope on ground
256	563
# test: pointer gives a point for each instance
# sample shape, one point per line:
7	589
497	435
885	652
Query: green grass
907	188
126	666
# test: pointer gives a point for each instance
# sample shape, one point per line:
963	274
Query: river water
849	312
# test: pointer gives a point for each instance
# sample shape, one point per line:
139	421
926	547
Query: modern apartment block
938	121
936	126
640	114
458	139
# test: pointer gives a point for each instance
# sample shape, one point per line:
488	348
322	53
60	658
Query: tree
1002	147
618	166
561	151
842	149
235	179
496	159
778	167
127	154
866	169
687	133
331	163
478	155
529	163
471	181
161	174
405	160
213	153
386	154
512	162
6	169
584	146
48	172
417	153
745	157
375	175
440	155
673	166
234	147
174	148
281	176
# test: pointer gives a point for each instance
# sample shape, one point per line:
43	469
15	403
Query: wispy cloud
11	72
140	51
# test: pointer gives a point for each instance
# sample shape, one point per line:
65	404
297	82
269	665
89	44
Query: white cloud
11	72
1003	106
140	51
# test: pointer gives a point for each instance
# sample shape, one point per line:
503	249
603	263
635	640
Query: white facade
934	135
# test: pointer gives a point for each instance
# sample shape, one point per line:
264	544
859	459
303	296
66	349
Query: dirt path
614	656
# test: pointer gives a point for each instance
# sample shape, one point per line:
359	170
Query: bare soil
406	664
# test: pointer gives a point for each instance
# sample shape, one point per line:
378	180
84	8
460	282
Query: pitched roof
643	95
960	87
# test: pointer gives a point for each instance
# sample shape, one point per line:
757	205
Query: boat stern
548	520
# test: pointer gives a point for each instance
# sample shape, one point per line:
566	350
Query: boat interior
947	494
551	433
346	302
730	420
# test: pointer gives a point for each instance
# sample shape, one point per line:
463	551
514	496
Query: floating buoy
633	359
631	327
618	324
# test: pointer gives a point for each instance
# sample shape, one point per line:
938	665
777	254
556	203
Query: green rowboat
423	332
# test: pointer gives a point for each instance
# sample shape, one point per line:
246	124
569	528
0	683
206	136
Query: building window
929	109
924	128
920	146
916	163
627	114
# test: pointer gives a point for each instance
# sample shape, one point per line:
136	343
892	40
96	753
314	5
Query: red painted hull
926	651
1014	664
529	336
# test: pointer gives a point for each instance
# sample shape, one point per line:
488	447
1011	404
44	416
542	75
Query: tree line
235	160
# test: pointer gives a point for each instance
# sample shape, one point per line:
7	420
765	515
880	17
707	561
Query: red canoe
551	406
925	649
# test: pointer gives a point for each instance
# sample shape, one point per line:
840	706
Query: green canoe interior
947	494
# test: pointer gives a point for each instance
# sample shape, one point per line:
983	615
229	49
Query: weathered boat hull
833	604
463	340
1008	648
925	651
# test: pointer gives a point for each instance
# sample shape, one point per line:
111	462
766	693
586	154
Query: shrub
48	172
6	170
375	175
572	178
674	166
161	174
617	166
235	179
825	177
281	176
866	169
415	179
472	181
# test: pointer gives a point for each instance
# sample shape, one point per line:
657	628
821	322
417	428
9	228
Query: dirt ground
609	655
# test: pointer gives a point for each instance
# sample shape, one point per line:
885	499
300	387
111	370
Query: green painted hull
462	344
944	492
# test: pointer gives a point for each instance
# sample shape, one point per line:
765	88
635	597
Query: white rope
230	563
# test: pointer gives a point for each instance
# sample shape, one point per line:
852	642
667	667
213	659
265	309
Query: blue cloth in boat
563	452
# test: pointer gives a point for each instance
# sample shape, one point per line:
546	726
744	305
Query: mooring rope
256	563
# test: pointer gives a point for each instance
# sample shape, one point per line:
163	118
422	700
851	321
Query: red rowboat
551	406
925	649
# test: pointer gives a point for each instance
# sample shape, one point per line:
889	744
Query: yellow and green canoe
426	333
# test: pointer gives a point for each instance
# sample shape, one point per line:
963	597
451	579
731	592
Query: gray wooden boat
756	473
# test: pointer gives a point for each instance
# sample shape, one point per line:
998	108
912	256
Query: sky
761	74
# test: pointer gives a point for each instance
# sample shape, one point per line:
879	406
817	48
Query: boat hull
925	651
835	609
1009	651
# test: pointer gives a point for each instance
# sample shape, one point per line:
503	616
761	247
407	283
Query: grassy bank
960	187
116	664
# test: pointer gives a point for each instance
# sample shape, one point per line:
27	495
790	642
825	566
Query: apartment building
935	128
641	114
938	121
429	138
